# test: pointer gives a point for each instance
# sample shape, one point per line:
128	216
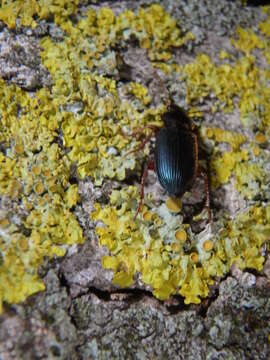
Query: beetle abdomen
175	159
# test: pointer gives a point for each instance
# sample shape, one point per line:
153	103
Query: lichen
247	40
168	262
83	120
34	172
246	164
242	83
26	10
95	135
167	255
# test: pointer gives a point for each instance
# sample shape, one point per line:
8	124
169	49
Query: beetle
175	156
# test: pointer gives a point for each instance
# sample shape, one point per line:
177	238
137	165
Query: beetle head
176	117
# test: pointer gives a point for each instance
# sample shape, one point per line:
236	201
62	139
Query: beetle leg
139	130
147	166
161	83
135	133
203	173
196	154
142	145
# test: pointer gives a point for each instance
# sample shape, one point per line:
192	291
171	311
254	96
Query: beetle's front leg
153	129
142	145
149	165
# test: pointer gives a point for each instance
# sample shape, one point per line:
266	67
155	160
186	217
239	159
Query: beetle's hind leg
202	173
148	165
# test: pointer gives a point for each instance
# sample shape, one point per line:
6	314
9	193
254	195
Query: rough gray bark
134	325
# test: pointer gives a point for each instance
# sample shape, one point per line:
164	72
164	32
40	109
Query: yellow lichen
224	55
247	40
140	92
243	82
166	267
147	216
223	165
219	135
194	286
97	143
256	150
173	204
181	235
39	180
260	138
194	257
208	245
264	27
85	105
26	10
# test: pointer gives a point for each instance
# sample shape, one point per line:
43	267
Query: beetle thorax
176	118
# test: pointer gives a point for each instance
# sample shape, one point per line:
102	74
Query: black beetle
175	156
176	152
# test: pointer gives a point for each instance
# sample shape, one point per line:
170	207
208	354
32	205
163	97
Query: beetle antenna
165	89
